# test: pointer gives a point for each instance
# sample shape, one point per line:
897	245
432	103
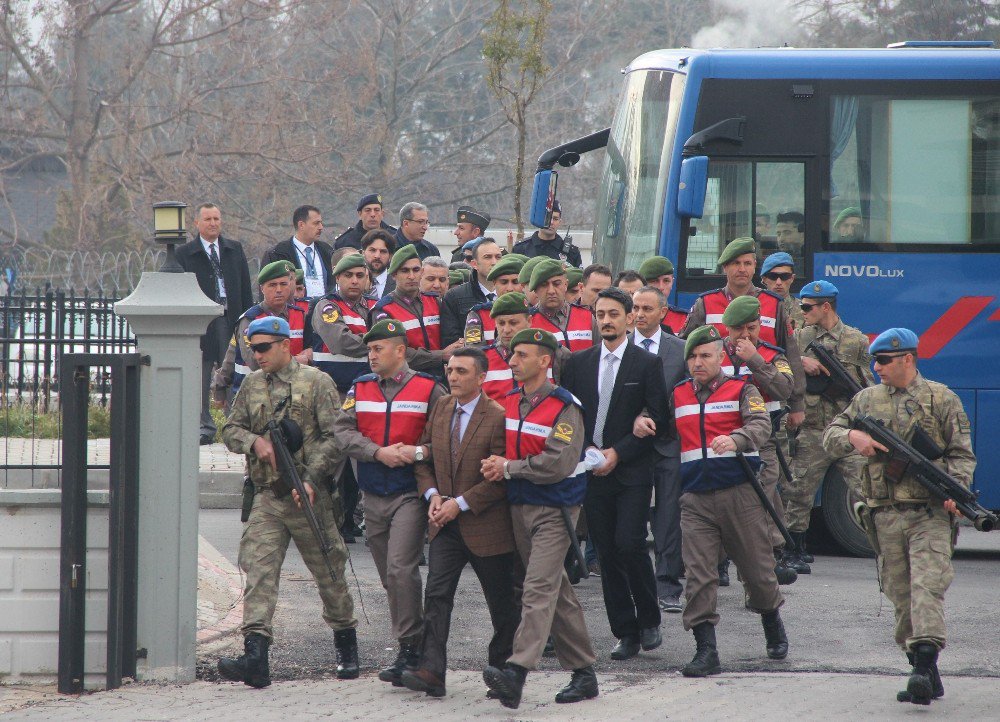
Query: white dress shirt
380	281
316	284
654	347
619	353
207	245
467	410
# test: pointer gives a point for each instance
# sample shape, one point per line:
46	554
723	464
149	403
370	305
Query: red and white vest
296	318
577	335
483	332
422	331
342	369
675	319
499	377
768	353
716	303
697	424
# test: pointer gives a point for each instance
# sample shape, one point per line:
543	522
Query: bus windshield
633	183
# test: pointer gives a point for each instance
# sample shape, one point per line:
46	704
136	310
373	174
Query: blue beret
471	245
895	339
819	289
776	259
271	325
370	199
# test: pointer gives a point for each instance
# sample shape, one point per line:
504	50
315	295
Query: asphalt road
835	618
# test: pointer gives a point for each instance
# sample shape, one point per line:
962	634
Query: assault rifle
839	376
574	540
762	495
278	432
779	452
937	481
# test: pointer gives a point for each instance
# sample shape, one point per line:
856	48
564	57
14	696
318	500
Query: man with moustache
574	326
370	217
377	248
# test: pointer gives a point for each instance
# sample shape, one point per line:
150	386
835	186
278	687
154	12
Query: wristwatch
506	474
419	453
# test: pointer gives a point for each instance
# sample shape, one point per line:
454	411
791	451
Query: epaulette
770	293
682	382
254	309
489	346
585	308
714	290
678	309
366	377
772	347
384	301
485	305
422	374
566	397
430	293
349	229
513	391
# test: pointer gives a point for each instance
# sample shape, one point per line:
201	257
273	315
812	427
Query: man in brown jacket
468	517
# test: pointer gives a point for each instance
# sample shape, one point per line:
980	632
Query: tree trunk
522	133
78	152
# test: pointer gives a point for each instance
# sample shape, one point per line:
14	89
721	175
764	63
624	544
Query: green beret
737	248
300	276
525	275
505	266
466	274
273	270
849	212
574	275
455	278
536	336
351	260
548	268
701	335
519	256
386	328
741	310
655	267
510	304
401	256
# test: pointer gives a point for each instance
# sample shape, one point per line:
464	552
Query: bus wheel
838	501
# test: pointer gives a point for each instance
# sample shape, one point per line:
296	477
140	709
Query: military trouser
916	571
809	466
769	475
262	551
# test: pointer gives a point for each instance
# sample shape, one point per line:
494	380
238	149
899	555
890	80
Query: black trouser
616	519
667	526
448	557
349	494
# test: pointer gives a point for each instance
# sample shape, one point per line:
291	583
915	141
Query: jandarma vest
422	331
716	303
499	377
342	369
385	423
768	353
526	437
697	424
486	330
577	335
675	318
296	323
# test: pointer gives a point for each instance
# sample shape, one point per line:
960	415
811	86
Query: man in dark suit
306	251
414	220
615	381
370	214
220	265
651	307
468	518
377	247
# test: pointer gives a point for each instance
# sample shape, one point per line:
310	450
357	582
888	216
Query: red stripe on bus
996	315
951	322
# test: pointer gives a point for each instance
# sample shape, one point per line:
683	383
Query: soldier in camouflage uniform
310	400
915	532
824	400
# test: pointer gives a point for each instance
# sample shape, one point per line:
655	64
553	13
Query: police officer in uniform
574	326
777	273
479	327
716	417
914	530
658	272
824	400
470	224
543	468
395	514
276	281
547	242
284	389
370	215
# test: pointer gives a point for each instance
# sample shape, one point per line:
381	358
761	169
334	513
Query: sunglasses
886	359
807	307
262	347
772	276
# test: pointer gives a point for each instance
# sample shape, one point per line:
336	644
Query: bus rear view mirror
543	196
692	187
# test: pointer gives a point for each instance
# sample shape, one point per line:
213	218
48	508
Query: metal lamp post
169	229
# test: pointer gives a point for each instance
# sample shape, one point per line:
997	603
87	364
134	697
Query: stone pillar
168	313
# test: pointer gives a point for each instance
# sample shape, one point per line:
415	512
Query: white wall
29	586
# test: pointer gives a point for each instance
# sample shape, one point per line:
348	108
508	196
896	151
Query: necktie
604	398
217	267
310	262
491	297
456	435
647	343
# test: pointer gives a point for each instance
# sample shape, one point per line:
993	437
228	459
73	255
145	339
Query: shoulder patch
473	333
782	366
349	403
331	313
964	425
757	404
563	432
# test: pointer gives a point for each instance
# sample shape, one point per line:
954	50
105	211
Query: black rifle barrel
762	495
575	541
838	374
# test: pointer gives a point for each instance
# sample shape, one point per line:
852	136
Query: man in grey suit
650	309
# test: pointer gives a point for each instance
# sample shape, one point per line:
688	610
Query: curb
218	571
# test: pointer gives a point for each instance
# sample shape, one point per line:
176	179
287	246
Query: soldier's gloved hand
264	451
309	490
392	456
723	444
865	444
813	367
643	427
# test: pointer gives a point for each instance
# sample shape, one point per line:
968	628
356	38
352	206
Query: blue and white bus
710	145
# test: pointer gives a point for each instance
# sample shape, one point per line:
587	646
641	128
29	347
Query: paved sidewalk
781	696
20	451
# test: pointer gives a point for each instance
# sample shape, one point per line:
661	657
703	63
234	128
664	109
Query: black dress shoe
626	648
550	647
421	680
582	685
650	638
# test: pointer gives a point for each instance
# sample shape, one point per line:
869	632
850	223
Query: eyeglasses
772	276
424	222
884	359
807	307
262	347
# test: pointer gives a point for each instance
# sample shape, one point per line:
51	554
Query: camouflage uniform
793	312
915	534
810	461
314	405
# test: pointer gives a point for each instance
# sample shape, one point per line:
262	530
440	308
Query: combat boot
803	552
706	656
784	573
905	696
252	667
346	643
724	573
408	658
774	633
920	686
507	683
792	557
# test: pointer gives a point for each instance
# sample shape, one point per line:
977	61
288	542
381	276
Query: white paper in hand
593	458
